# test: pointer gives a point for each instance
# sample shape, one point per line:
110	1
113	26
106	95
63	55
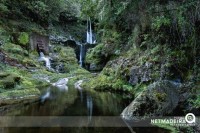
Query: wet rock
160	98
60	68
65	40
77	85
57	38
96	67
61	84
140	74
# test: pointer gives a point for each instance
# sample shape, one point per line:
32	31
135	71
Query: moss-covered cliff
21	75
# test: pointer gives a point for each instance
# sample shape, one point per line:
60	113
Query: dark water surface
77	103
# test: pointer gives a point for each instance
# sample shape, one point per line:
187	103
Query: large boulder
160	98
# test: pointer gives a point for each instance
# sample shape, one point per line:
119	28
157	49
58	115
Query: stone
96	67
61	84
77	85
140	74
159	99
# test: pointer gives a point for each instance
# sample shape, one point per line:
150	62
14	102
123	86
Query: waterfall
90	37
45	59
81	54
89	32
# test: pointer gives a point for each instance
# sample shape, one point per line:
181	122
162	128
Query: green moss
160	96
12	48
138	89
3	75
9	81
23	38
19	93
103	83
65	54
195	101
160	21
95	54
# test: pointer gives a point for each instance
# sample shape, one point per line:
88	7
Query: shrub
23	38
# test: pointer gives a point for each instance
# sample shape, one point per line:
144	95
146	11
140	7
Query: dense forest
145	51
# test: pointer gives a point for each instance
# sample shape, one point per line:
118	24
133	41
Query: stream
71	104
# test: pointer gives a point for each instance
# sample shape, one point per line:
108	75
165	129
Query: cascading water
88	34
89	39
45	59
81	55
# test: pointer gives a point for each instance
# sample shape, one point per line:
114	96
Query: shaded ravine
73	102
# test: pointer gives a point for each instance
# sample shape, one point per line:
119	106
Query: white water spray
77	85
62	84
45	59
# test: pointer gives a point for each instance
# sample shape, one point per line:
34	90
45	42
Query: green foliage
88	8
108	81
39	7
8	81
12	48
3	8
23	38
42	11
95	54
160	21
195	100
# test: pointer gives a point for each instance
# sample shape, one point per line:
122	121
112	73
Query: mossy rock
9	81
19	96
13	49
3	75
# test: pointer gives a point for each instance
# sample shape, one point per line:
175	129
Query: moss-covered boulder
63	59
8	81
97	57
160	99
19	96
21	38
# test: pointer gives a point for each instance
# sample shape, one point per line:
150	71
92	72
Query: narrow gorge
95	66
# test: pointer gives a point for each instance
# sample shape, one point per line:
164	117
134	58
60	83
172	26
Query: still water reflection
73	102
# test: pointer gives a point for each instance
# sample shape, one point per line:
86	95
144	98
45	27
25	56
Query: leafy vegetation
144	41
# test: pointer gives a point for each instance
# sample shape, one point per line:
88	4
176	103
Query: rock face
140	74
61	84
160	98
